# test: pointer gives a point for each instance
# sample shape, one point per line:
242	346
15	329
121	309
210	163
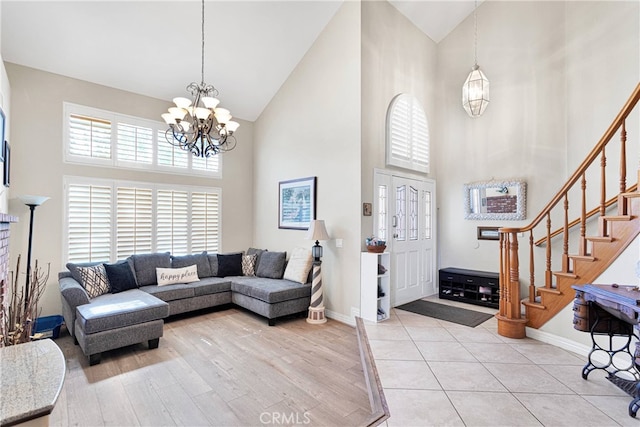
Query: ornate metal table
611	314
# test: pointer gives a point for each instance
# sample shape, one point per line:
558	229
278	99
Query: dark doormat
457	315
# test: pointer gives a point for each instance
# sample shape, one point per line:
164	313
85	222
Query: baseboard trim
351	321
566	344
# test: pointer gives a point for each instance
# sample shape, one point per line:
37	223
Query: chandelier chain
200	126
202	63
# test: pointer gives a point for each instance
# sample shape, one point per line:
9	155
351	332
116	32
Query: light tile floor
437	373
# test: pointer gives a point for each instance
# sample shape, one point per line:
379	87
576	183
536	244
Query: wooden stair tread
553	291
630	195
607	239
588	258
568	274
617	217
535	305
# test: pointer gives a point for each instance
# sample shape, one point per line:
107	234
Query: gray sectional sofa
133	305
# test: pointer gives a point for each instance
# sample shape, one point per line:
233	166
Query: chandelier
475	90
200	126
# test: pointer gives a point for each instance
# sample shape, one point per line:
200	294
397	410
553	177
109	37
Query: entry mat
457	315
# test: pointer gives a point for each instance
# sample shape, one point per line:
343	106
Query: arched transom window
407	134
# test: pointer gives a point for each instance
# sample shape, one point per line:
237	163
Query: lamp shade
317	230
33	200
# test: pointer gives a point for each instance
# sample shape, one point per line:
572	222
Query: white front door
412	206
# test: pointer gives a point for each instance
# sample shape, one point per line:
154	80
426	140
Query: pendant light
475	91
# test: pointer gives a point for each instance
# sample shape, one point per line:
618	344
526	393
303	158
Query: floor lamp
317	232
32	202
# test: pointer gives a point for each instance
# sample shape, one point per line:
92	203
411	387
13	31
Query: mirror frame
521	203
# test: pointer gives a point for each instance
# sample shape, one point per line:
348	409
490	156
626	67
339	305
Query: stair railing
510	320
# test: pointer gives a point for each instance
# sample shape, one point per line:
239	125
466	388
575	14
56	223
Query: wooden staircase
613	233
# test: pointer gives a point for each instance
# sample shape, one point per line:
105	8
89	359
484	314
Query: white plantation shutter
100	137
134	221
89	137
211	164
135	144
172	221
420	137
171	156
110	220
88	223
205	222
407	134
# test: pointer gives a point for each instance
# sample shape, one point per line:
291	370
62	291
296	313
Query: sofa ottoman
271	298
117	320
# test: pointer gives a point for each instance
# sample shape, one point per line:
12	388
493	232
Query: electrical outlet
338	243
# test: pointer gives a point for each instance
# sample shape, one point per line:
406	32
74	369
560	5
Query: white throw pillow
171	276
299	265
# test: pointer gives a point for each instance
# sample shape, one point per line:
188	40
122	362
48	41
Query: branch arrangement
19	315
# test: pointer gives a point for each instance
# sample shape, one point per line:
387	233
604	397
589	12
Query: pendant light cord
202	69
475	35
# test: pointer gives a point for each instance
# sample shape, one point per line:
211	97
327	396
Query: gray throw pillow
201	260
213	264
145	267
271	265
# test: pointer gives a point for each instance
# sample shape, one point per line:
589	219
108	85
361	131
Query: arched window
407	134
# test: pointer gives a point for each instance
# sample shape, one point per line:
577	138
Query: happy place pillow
171	276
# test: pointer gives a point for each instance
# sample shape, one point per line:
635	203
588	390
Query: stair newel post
582	250
510	321
603	185
547	272
532	273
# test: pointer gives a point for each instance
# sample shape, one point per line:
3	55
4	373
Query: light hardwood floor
224	367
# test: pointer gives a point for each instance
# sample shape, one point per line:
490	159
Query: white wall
540	58
396	58
312	128
38	167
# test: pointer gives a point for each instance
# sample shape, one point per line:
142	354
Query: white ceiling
153	47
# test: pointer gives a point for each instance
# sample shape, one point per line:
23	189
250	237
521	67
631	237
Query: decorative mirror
495	200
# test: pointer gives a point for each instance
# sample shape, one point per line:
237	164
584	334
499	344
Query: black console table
610	311
470	286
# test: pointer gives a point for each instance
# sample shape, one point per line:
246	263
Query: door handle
394	221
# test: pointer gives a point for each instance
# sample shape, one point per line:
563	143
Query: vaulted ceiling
154	47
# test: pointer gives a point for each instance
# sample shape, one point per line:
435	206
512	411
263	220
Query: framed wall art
297	203
488	233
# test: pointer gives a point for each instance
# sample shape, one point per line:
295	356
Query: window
382	212
104	138
110	220
407	134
